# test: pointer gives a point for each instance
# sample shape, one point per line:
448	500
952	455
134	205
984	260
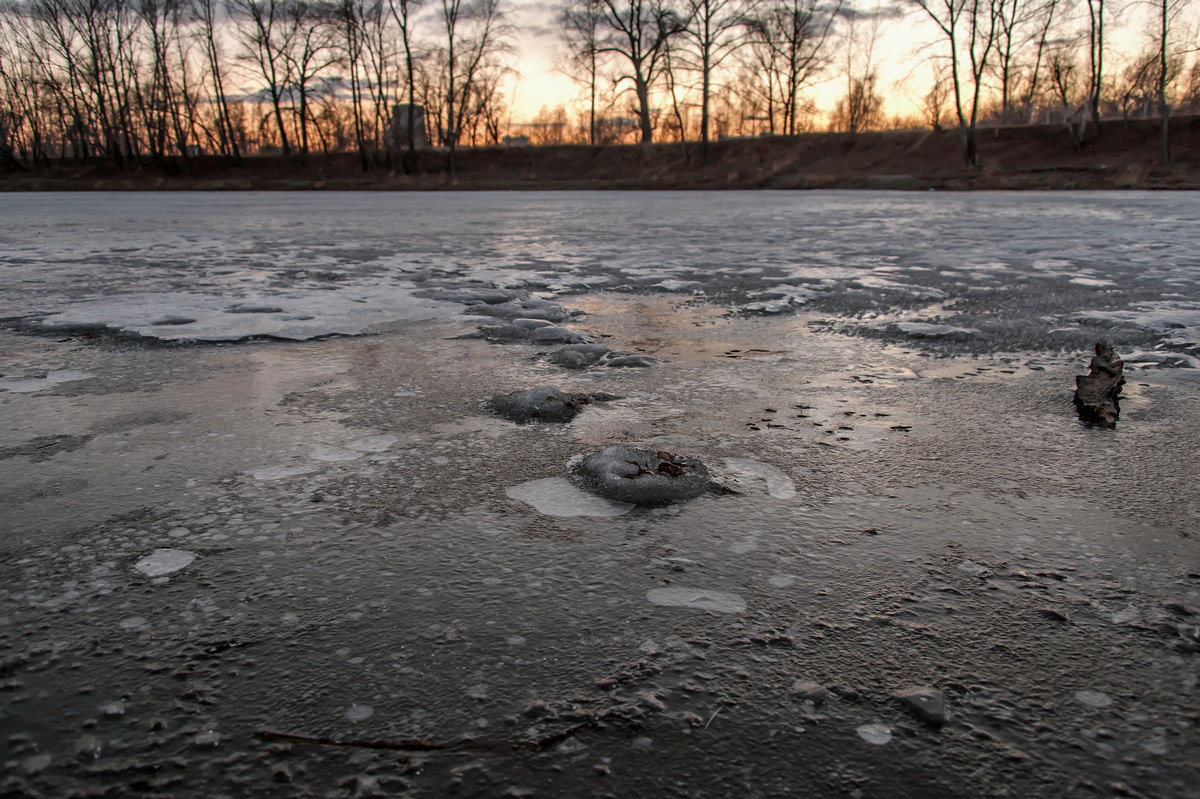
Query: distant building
515	141
400	116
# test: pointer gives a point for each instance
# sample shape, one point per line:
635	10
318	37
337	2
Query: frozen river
261	533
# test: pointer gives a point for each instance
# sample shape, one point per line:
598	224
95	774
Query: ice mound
525	330
642	476
522	309
542	404
578	356
625	360
470	296
582	356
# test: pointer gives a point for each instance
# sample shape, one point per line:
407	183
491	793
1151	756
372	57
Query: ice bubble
360	712
281	472
31	384
164	561
877	734
744	476
132	623
555	496
642	477
553	334
1093	698
697	599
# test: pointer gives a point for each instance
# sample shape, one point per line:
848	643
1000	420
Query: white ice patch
295	315
754	477
555	496
164	561
29	385
1094	282
876	734
372	443
1177	322
926	330
696	598
281	472
334	454
1093	698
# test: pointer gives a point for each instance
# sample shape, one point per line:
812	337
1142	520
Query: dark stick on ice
1097	394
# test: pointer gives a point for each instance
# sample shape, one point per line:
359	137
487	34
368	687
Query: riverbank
1127	155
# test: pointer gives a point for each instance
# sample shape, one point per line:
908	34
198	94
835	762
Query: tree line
163	81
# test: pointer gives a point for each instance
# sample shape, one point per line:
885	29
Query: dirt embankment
1127	155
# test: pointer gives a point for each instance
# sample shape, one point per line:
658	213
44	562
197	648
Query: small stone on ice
113	709
876	734
928	703
164	561
1093	698
360	712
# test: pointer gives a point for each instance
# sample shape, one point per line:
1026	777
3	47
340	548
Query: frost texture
642	476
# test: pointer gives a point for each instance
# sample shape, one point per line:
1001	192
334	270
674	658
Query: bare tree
266	39
205	12
474	36
788	40
970	28
715	30
579	26
637	32
403	12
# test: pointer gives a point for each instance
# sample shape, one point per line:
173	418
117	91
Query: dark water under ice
306	564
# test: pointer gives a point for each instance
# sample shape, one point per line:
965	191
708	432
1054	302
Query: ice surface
642	476
338	267
282	472
30	385
164	561
555	496
334	454
294	315
372	443
697	599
